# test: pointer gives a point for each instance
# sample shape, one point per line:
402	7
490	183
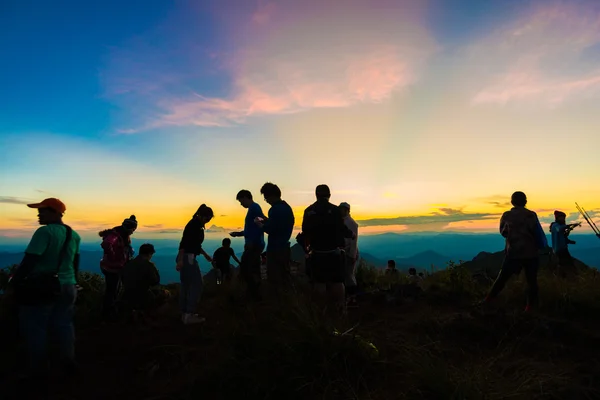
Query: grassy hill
438	346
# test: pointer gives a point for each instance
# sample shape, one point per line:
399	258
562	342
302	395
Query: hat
130	223
345	205
559	214
52	203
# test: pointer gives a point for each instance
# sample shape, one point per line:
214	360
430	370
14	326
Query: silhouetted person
413	277
351	250
139	276
254	244
524	240
560	242
189	268
221	259
116	243
324	232
391	268
45	288
279	226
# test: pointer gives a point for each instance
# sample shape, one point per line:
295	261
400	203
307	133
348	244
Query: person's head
204	214
391	264
147	251
421	274
518	199
245	198
129	225
50	211
560	217
226	242
271	192
345	209
412	271
322	192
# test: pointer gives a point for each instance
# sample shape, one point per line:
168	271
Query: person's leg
111	287
62	324
350	282
33	322
509	267
195	287
531	272
337	289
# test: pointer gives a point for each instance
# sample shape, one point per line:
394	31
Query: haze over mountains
409	250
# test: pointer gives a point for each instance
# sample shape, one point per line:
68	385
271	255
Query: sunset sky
423	115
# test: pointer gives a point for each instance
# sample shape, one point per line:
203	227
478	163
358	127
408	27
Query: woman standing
187	264
116	243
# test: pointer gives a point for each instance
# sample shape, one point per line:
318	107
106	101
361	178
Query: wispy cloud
292	57
155	226
441	216
13	200
541	55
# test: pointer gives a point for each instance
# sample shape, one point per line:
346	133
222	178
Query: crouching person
140	276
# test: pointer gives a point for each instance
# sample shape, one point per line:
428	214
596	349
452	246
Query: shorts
327	267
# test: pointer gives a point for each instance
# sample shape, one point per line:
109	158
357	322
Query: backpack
115	256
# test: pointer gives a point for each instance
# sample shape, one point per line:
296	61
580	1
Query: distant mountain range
408	250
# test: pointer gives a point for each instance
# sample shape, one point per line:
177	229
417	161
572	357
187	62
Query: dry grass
438	347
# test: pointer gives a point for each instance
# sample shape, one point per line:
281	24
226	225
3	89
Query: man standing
560	242
254	243
524	240
324	232
45	287
279	226
351	250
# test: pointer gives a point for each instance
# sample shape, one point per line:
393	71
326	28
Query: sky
423	115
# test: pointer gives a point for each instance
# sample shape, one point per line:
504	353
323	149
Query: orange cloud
295	57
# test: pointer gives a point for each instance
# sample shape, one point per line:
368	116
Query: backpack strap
65	245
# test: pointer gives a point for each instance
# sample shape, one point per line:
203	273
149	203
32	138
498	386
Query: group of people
525	241
45	282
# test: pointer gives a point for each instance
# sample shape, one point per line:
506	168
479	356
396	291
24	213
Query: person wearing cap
560	242
351	250
524	239
324	233
139	276
116	243
279	225
52	253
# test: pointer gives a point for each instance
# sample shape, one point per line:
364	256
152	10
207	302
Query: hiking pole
589	220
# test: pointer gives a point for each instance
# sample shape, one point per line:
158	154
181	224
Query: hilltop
438	346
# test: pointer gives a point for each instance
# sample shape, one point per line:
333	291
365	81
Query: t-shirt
351	244
193	237
47	242
222	256
324	226
279	226
253	235
559	240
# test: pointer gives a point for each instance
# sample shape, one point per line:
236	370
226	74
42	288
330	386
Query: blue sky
404	108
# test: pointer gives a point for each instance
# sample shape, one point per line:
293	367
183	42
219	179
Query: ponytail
204	211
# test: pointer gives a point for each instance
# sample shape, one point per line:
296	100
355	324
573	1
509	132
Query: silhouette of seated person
413	278
391	270
140	278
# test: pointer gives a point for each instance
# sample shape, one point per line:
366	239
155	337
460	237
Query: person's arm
232	253
36	248
154	275
503	226
76	258
542	241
